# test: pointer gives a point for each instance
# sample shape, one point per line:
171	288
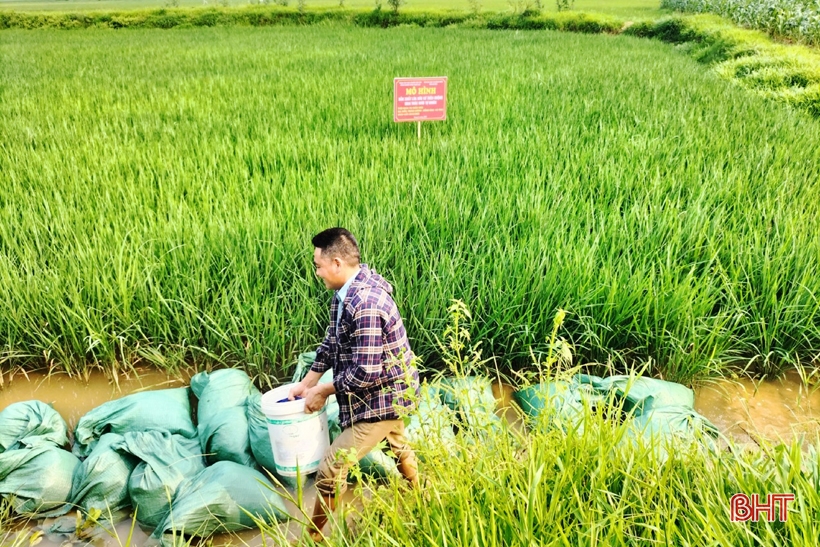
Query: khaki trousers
363	437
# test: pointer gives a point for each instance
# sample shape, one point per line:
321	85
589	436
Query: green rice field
591	199
159	189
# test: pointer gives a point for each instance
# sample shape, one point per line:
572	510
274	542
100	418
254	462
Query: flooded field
744	410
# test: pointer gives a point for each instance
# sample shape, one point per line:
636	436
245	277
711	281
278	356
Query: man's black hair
338	242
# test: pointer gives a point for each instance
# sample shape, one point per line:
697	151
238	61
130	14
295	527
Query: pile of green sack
658	412
144	451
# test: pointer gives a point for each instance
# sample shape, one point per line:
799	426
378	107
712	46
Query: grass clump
589	23
166	18
786	73
14	530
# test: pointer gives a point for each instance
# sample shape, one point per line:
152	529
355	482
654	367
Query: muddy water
749	411
73	397
744	410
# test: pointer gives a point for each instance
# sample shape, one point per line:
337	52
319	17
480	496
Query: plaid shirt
369	353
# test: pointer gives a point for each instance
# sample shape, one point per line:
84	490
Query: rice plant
14	530
550	488
159	189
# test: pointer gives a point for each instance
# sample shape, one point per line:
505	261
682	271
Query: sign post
419	99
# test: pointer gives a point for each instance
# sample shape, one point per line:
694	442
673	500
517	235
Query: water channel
745	410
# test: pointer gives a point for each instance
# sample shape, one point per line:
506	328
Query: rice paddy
159	191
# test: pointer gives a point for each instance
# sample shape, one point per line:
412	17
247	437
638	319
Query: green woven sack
673	421
166	461
31	423
672	428
164	410
641	394
557	403
432	421
221	498
222	422
472	399
101	480
258	435
303	364
37	480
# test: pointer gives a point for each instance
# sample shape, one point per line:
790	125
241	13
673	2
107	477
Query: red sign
419	99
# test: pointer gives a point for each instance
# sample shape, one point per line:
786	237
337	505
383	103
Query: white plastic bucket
298	439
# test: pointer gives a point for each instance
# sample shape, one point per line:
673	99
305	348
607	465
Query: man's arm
322	362
316	396
317	368
310	379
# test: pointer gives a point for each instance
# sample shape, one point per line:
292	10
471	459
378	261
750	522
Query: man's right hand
316	396
299	389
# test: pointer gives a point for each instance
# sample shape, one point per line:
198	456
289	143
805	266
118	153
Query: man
374	378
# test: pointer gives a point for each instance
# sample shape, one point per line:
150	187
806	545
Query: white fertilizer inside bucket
298	439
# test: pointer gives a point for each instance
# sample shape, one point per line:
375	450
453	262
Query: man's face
328	269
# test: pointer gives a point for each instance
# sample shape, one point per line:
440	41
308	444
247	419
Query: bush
265	16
